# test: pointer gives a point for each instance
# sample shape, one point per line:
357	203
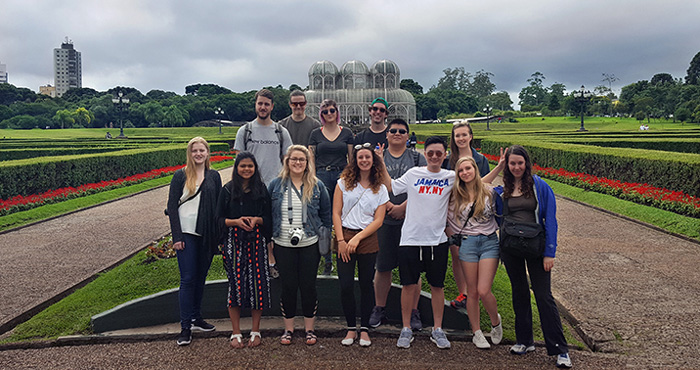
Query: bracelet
342	240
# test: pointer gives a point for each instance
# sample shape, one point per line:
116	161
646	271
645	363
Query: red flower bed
674	201
21	203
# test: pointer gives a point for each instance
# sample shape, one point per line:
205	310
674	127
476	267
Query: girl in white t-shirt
471	214
359	205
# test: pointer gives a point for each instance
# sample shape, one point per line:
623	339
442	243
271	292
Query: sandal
253	335
238	338
286	338
310	338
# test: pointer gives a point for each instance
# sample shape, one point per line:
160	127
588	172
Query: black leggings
346	278
298	268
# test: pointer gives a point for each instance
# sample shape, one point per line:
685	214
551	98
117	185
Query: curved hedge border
37	175
675	171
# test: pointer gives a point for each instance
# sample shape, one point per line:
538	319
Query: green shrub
37	175
673	171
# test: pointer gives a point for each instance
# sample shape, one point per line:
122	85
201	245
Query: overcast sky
244	45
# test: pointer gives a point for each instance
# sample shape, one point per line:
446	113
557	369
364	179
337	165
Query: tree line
456	93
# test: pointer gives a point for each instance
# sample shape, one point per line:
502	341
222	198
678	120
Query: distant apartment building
3	73
48	90
67	68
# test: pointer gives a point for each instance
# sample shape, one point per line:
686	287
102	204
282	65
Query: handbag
524	239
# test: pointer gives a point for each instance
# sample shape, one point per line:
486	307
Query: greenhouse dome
354	87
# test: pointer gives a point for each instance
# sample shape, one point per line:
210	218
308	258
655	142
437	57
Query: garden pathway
632	290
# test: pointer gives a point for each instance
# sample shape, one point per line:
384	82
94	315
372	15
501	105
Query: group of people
297	183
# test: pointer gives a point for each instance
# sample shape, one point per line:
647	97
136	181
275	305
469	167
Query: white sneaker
521	349
497	331
563	360
479	340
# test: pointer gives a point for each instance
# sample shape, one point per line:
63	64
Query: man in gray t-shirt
298	123
266	139
397	160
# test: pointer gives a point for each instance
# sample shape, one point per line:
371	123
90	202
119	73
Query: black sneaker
328	268
185	337
377	317
202	325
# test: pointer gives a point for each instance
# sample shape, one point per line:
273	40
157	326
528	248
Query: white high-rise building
3	73
67	68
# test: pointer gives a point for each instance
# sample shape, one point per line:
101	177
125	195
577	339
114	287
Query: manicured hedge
668	145
673	171
37	175
14	154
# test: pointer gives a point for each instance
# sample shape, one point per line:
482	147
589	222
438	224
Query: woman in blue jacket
528	199
300	206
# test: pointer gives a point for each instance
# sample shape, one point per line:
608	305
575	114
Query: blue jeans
193	262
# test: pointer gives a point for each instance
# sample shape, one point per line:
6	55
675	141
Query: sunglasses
298	104
374	109
365	146
326	111
399	130
436	153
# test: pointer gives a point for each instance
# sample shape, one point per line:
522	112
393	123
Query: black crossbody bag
524	239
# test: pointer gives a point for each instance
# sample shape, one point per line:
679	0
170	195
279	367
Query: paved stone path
632	290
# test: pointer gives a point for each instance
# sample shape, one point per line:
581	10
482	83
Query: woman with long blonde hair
471	221
194	192
300	206
461	145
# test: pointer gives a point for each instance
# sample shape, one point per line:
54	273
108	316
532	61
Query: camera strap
290	208
471	213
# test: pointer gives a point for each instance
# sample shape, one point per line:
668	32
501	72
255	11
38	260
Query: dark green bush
37	175
673	171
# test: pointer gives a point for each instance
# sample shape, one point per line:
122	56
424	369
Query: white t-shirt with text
426	207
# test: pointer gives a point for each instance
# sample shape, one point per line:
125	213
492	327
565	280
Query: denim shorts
478	247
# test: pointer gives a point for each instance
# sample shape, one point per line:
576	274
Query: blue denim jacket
318	209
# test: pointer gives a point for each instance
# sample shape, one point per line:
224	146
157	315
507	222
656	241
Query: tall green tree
64	118
411	86
481	85
693	76
535	93
174	116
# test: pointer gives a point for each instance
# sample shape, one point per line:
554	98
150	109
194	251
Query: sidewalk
630	290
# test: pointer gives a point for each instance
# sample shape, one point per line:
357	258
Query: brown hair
351	173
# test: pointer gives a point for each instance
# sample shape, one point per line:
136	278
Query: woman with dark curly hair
359	205
529	206
244	211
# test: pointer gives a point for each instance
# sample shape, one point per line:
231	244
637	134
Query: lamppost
487	110
119	102
582	96
219	112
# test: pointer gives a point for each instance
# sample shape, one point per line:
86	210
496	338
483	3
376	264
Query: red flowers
21	203
674	201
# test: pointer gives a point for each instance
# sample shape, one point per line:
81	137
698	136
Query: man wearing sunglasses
397	160
423	245
298	123
375	134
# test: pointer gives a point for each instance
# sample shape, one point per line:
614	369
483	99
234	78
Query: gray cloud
244	45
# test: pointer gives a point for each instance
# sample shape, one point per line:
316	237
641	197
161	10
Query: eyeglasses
399	130
436	153
297	104
374	109
326	111
300	160
365	145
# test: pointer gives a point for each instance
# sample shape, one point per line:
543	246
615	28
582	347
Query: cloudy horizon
244	45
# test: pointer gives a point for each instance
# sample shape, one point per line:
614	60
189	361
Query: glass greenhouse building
354	87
